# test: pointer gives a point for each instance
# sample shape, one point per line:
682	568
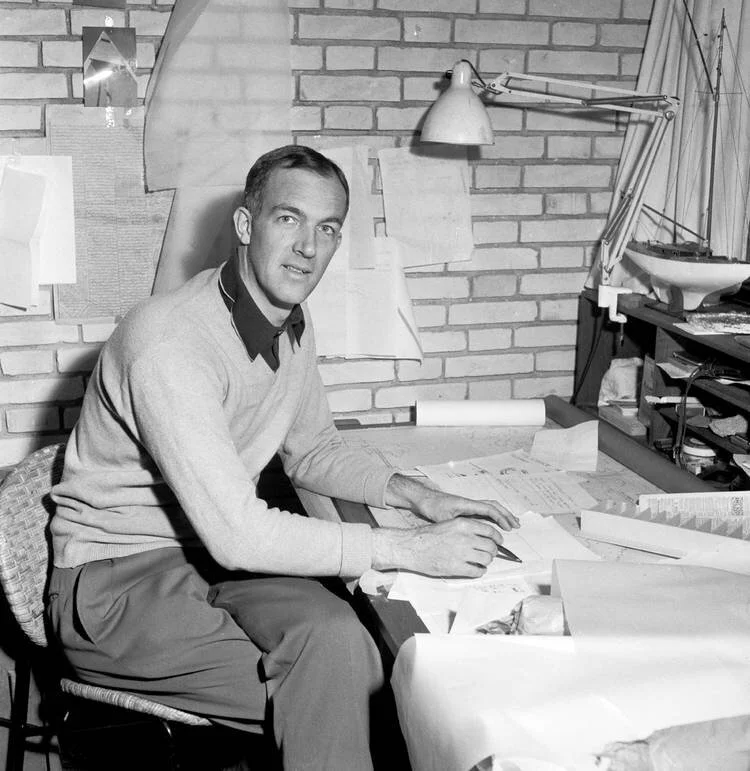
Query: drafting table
630	469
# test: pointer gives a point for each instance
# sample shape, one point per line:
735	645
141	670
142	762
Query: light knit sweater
177	424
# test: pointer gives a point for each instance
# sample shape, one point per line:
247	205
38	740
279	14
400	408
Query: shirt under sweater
177	424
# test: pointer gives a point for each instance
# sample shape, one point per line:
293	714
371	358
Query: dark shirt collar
255	330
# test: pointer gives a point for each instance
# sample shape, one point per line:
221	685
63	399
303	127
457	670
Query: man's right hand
461	547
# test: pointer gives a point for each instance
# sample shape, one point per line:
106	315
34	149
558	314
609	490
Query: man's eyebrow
294	210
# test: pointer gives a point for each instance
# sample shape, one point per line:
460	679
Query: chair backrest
25	511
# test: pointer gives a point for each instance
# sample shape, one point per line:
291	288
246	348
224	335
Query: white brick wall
499	325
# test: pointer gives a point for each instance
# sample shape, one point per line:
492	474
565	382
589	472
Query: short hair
288	157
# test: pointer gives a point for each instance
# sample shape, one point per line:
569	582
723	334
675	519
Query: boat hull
693	280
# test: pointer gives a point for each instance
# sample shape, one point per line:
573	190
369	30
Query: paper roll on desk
500	412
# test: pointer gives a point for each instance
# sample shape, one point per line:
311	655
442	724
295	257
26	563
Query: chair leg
18	716
172	757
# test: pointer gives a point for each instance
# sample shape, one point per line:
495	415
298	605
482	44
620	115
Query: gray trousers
174	626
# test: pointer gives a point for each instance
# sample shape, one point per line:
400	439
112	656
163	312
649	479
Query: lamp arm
621	100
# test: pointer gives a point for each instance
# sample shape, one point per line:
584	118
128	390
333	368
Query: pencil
507	554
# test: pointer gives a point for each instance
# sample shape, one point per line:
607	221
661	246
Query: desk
395	621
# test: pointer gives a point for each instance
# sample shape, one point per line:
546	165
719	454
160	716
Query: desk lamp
459	116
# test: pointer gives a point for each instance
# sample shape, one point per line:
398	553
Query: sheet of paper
570	449
119	227
669	540
357	249
57	253
551	492
617	599
480	606
365	312
427	205
462	698
720	512
21	201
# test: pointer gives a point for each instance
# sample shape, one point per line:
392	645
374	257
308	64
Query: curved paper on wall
220	92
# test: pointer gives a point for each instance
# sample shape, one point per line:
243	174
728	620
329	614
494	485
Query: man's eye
329	230
286	218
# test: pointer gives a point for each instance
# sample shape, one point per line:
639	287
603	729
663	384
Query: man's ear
243	224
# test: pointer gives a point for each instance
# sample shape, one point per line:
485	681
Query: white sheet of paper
655	537
21	202
570	449
546	493
462	698
477	606
365	313
57	253
619	599
357	248
427	205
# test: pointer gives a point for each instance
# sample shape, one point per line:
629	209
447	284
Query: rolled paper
500	412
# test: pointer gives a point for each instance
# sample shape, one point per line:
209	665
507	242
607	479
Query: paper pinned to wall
357	249
361	308
427	205
21	201
55	241
119	227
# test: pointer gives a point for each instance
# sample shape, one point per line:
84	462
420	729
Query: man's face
291	240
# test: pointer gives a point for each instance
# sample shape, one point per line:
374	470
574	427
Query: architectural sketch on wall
119	227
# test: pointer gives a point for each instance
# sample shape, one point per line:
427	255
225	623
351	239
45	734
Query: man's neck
276	316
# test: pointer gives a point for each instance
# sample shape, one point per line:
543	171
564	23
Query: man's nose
305	244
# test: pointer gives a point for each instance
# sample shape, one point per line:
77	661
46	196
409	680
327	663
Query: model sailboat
687	264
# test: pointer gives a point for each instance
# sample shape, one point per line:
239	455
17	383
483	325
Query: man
172	578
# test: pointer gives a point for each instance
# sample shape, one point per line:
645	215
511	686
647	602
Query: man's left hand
435	505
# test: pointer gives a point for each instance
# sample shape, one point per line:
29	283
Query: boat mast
714	134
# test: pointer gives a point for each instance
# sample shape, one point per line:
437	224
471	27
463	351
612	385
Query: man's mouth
296	271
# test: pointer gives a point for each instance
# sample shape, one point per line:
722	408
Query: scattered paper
720	512
569	449
537	543
669	540
479	606
548	492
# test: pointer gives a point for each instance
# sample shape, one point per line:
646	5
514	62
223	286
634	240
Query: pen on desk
507	554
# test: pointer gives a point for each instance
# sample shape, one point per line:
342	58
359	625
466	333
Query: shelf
704	434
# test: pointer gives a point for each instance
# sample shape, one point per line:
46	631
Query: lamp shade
458	117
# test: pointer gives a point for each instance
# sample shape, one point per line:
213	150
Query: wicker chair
25	510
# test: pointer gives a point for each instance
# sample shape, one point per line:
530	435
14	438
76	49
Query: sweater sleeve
175	403
317	458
